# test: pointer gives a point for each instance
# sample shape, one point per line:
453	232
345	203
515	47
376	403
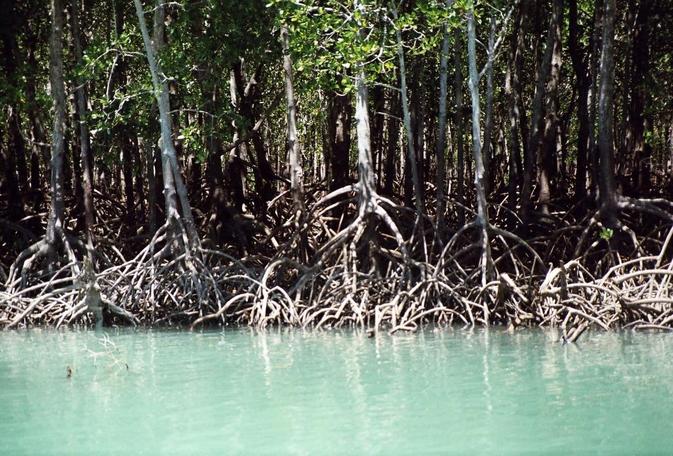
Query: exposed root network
327	273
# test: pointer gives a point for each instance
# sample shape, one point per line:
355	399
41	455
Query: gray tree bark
460	126
122	131
294	155
56	214
15	157
418	192
488	124
518	50
514	154
173	182
393	128
593	94
547	151
482	209
84	138
36	131
535	133
441	128
366	184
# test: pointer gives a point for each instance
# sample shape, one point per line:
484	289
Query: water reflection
302	392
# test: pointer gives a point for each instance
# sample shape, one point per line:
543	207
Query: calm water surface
293	392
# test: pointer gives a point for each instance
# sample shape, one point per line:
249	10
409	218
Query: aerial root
47	293
632	294
361	273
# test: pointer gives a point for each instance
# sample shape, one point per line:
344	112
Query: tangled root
361	273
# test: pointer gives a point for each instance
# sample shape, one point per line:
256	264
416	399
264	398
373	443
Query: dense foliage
325	151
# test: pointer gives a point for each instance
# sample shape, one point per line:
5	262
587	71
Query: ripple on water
297	392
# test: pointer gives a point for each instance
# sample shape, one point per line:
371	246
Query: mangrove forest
375	164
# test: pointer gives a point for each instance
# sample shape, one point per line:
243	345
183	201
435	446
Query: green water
293	392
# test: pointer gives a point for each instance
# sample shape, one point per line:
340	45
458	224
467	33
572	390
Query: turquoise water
293	392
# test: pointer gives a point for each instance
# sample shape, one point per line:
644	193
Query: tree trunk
68	151
482	209
18	146
377	127
265	172
16	175
417	114
158	189
148	151
127	172
514	152
579	62
547	152
3	162
535	134
75	150
608	195
460	127
16	142
214	174
594	67
56	215
173	182
235	169
15	207
413	165
367	191
37	133
247	95
82	115
294	155
640	62
139	180
339	136
488	126
519	48
440	180
122	132
393	127
516	113
159	41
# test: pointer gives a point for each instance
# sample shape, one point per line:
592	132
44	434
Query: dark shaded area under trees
373	163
